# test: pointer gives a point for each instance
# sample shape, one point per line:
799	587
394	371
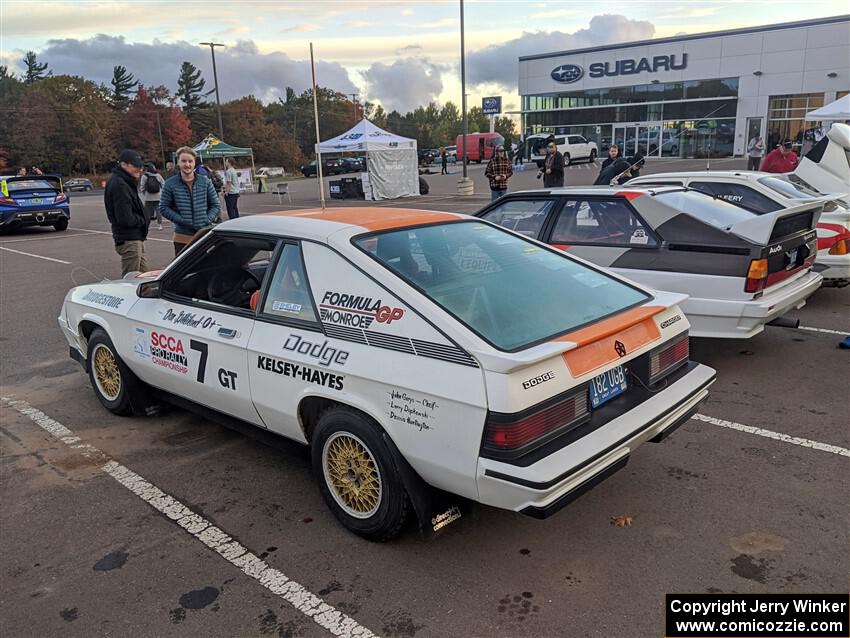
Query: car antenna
318	139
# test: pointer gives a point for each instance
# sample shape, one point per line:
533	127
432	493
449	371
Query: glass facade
786	120
673	119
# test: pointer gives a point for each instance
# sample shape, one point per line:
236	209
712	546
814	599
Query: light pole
354	97
212	46
463	91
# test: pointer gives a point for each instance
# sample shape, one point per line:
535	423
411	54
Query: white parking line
324	615
778	436
104	232
46	236
831	332
20	252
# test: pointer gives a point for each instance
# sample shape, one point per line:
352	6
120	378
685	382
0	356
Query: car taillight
8	201
756	276
663	360
841	247
502	433
61	197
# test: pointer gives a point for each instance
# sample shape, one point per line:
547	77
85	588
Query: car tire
424	189
111	379
61	224
357	475
87	188
592	155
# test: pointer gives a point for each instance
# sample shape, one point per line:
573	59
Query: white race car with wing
427	358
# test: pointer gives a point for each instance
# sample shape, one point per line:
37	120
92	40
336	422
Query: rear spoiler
760	228
53	179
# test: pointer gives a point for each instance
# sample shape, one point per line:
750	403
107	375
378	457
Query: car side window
223	270
526	217
738	194
600	221
289	295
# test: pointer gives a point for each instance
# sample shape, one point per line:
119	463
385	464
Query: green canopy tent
212	147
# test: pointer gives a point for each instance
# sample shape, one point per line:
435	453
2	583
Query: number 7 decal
203	348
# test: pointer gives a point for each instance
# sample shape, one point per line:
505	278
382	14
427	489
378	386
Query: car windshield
716	212
787	189
30	185
511	291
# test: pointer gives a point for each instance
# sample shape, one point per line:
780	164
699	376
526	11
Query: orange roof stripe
372	218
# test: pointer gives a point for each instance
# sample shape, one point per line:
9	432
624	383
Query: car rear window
509	290
30	185
716	212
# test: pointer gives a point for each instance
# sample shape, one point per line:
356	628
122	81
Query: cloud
405	84
498	63
690	13
242	69
557	13
233	31
409	49
358	24
407	12
438	24
301	28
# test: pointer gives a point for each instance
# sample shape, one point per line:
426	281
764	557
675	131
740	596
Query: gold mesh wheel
352	475
107	376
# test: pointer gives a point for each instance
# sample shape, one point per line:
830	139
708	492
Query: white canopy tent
837	111
391	164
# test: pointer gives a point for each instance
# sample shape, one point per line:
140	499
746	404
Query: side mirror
149	290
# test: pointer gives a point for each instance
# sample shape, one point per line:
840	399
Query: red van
481	146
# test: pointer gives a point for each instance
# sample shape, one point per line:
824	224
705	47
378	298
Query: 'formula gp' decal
356	311
102	299
296	371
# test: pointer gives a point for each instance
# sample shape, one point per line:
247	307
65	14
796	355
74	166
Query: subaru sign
567	73
491	105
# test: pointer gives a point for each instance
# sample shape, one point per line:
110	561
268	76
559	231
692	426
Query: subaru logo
567	73
620	348
489	103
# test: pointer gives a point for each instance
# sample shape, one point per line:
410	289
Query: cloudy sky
398	53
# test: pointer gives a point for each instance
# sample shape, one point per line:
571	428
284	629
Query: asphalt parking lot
749	497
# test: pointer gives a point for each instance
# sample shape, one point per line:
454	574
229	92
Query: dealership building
702	95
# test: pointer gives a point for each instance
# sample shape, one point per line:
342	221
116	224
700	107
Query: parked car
33	201
827	166
77	184
420	354
271	171
740	270
425	155
572	147
765	193
354	164
330	166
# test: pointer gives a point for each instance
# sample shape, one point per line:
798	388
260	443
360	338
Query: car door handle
227	333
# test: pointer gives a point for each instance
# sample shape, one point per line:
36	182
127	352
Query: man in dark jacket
553	167
498	170
126	213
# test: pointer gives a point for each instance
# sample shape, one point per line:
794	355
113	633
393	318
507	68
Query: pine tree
35	71
4	72
190	85
123	83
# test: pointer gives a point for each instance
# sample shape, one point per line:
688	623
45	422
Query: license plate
607	385
36	200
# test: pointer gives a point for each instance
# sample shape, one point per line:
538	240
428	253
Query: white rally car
421	355
762	193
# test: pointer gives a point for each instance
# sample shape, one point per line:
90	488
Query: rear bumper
835	266
542	488
719	318
33	217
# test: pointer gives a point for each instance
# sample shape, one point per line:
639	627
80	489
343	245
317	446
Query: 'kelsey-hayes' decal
296	371
356	311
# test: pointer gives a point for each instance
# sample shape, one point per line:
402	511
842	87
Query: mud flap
435	509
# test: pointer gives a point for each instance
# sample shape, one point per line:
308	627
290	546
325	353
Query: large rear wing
772	227
55	181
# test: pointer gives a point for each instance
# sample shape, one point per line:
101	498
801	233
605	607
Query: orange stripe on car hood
597	344
373	218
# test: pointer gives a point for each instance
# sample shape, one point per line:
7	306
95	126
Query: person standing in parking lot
150	186
781	159
755	151
553	167
444	161
231	189
125	212
498	171
188	200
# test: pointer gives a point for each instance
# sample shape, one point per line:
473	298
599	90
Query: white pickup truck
572	147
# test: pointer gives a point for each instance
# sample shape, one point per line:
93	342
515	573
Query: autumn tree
247	124
176	128
123	82
139	129
35	69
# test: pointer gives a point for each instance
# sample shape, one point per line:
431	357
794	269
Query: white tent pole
253	170
318	139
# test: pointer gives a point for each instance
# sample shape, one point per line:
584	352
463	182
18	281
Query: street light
212	46
463	91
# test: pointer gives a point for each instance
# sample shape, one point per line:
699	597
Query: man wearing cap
126	213
781	159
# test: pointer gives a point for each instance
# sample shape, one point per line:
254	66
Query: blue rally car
33	200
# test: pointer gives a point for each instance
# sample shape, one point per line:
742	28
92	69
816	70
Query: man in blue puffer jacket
188	200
